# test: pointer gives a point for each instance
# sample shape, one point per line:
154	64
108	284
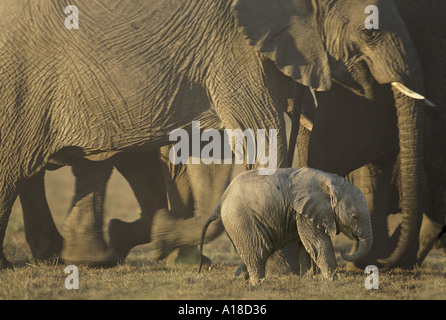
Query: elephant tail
216	213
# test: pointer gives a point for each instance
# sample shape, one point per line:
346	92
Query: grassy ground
139	278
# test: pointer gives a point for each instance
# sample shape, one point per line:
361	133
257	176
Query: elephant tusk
430	103
403	89
412	94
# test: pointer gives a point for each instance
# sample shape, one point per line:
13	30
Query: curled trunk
365	244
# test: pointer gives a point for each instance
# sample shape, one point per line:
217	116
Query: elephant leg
256	270
319	246
241	271
254	259
442	240
84	242
41	232
184	204
8	195
178	185
193	191
291	259
144	175
181	206
283	262
287	260
375	182
430	233
304	260
187	254
434	220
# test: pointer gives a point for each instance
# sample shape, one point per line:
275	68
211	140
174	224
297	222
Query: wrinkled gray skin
427	27
367	133
261	214
135	71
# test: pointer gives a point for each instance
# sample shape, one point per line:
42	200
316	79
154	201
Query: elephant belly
115	118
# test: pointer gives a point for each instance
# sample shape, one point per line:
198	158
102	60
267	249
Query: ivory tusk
430	103
403	89
412	94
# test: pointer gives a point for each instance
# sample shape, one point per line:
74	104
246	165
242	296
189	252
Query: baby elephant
261	214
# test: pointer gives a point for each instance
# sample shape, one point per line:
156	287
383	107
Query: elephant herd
107	96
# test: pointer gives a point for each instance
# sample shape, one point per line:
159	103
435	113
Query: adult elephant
133	72
359	138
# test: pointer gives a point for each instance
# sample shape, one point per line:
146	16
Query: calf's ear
310	195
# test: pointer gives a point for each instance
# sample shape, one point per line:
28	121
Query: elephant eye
370	35
354	216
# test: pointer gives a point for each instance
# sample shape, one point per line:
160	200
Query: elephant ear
313	193
286	31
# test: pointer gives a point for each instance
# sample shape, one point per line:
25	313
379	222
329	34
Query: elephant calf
261	214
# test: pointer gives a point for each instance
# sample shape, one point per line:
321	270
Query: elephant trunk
365	244
410	115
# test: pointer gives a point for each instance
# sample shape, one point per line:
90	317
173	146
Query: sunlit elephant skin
229	64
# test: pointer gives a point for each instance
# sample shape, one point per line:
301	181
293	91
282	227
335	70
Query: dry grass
139	278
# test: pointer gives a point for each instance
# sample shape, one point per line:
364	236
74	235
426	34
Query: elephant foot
163	235
47	249
242	271
4	264
126	235
255	282
442	242
90	255
186	255
88	248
